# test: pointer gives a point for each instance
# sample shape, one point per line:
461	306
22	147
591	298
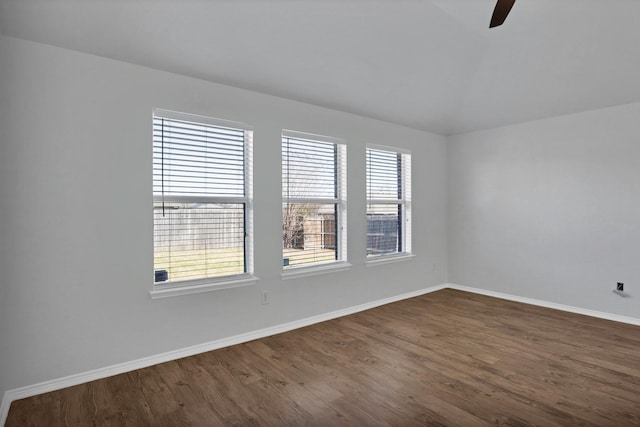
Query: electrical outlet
620	287
265	298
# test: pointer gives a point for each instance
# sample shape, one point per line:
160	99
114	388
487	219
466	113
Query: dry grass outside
202	263
305	256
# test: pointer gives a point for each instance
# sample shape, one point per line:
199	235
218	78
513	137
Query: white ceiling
428	64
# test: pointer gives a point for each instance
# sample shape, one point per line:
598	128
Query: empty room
319	212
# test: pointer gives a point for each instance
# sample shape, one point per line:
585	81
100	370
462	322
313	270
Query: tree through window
314	199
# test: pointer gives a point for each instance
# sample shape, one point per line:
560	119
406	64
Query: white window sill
228	283
295	272
387	259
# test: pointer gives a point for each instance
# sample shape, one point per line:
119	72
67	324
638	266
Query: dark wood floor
446	358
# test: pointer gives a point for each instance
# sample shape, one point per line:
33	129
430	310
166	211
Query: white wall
550	209
76	220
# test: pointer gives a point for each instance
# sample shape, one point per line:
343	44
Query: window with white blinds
202	201
314	200
388	201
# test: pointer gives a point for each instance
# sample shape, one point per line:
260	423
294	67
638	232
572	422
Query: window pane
197	159
308	233
198	240
388	202
383	175
383	229
308	169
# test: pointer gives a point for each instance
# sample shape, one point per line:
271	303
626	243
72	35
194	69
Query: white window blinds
388	202
202	194
309	169
314	199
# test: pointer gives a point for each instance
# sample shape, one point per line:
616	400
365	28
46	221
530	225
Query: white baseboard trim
4	409
547	304
71	380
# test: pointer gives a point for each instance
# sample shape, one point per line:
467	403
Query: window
314	200
388	202
202	201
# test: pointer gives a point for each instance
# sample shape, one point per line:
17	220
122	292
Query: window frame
403	201
183	287
340	202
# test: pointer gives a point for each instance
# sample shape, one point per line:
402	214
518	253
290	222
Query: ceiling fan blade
503	7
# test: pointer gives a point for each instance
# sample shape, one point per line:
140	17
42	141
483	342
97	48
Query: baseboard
71	380
4	409
547	304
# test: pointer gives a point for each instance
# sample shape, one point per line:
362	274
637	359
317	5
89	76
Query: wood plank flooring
448	358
